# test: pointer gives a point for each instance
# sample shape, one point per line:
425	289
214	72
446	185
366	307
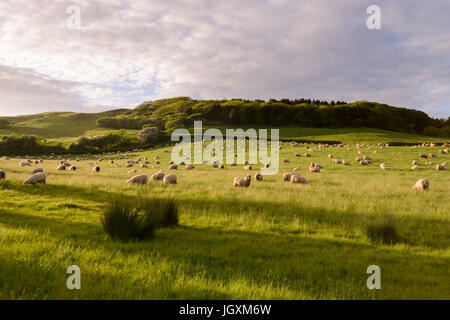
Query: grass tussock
131	219
382	232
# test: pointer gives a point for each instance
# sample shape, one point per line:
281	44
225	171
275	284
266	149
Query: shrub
148	134
131	219
382	232
432	131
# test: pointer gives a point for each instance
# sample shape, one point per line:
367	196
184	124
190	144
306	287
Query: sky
123	53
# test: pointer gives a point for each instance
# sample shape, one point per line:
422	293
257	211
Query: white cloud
130	51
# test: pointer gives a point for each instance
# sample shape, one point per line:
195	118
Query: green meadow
272	240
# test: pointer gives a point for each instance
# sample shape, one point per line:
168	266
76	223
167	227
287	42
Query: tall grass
136	219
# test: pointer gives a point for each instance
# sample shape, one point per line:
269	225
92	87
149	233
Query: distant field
66	127
273	240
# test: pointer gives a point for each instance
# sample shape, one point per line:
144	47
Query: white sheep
170	179
248	168
73	168
258	177
157	176
287	176
422	184
442	166
61	167
139	179
36	170
190	167
242	181
383	166
173	167
39	177
295	178
96	169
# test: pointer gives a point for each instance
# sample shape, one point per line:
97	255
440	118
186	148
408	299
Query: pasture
272	240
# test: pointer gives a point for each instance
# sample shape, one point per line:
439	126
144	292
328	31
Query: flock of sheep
38	175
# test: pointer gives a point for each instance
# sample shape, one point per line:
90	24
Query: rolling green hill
56	124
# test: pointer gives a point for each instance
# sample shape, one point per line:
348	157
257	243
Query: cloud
130	51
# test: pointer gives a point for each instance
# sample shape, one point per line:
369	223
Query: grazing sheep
286	160
330	156
422	184
157	176
221	166
296	169
24	163
171	162
248	168
258	177
442	166
242	181
2	175
287	176
36	170
367	158
364	162
432	155
189	167
61	167
157	162
346	163
39	177
96	169
415	163
415	167
298	155
295	178
139	179
307	155
73	168
422	155
383	166
144	166
129	165
313	168
173	167
358	159
233	164
132	171
170	179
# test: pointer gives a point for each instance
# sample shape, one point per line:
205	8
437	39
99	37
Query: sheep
170	179
139	179
96	169
157	176
233	164
367	158
422	184
296	169
422	155
36	170
330	156
144	166
61	167
432	155
221	166
248	168
442	166
242	181
157	162
173	167
266	165
313	168
189	167
337	161
2	175
39	177
298	155
364	162
287	176
295	178
307	155
346	163
415	167
129	165
24	163
415	163
73	168
132	171
358	159
383	166
258	177
428	163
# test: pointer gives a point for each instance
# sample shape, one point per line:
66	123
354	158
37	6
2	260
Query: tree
431	131
148	135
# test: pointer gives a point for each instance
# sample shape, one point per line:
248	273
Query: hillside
56	124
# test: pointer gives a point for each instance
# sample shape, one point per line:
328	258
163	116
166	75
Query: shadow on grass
412	230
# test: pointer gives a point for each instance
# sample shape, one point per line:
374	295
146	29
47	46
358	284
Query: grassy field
273	240
66	127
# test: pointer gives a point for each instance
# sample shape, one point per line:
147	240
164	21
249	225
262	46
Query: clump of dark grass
384	232
137	219
5	184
